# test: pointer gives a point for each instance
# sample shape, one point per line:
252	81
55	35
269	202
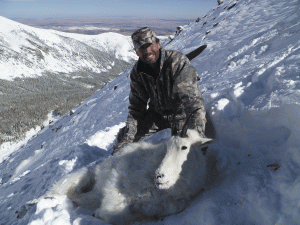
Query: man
164	91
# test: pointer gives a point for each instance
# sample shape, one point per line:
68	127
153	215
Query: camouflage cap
143	36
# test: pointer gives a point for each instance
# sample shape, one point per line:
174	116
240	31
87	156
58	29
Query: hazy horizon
92	17
98	25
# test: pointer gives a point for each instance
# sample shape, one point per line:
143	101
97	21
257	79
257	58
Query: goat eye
183	148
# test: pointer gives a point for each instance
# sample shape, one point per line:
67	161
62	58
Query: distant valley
46	70
121	25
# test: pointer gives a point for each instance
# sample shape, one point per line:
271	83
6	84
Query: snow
28	52
104	138
117	44
250	79
8	147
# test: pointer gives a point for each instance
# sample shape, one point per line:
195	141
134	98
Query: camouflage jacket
173	90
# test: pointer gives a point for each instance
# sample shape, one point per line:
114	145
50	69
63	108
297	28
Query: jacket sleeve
186	88
138	99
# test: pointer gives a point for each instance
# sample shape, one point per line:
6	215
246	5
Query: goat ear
206	142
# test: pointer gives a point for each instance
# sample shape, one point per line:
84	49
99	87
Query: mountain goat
142	180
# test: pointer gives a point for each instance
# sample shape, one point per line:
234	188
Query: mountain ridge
44	71
28	51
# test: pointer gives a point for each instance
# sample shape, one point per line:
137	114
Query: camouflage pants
154	122
150	124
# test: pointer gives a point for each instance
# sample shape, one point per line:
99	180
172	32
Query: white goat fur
130	186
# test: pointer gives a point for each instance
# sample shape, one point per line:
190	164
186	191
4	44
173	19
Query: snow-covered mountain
27	51
44	70
117	44
250	78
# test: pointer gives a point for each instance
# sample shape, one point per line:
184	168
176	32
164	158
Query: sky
19	9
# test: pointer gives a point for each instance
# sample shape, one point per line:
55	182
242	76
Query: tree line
26	102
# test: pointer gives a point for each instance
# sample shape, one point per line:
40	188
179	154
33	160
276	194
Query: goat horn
185	126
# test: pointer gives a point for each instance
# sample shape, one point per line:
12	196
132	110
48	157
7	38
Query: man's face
149	53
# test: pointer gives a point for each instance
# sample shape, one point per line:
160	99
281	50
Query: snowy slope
117	44
27	51
250	78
